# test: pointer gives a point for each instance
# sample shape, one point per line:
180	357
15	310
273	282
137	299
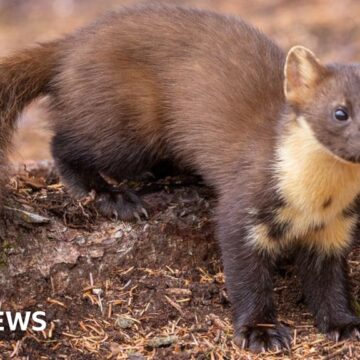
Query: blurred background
330	27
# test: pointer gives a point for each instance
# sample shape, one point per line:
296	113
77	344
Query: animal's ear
303	72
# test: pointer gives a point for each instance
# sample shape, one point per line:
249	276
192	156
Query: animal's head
325	99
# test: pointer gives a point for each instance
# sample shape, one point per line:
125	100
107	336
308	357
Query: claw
335	335
136	216
143	210
260	340
287	344
115	215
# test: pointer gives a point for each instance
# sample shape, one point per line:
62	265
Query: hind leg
81	178
123	204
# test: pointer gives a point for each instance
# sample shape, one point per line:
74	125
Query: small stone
124	322
80	240
165	341
119	234
96	253
97	292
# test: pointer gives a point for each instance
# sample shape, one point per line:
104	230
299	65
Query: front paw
261	338
349	330
122	204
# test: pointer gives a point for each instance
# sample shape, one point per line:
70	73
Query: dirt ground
152	289
147	290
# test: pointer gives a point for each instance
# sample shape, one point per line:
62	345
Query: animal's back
157	82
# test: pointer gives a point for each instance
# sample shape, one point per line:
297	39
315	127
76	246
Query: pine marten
276	136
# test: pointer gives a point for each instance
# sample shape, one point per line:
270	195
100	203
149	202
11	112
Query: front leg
248	267
326	290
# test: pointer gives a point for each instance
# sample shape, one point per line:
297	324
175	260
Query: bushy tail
23	77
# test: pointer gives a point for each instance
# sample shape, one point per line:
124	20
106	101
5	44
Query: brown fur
23	77
212	94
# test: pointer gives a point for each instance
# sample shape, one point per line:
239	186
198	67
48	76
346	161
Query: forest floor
153	289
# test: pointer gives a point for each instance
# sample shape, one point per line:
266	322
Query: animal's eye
341	114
